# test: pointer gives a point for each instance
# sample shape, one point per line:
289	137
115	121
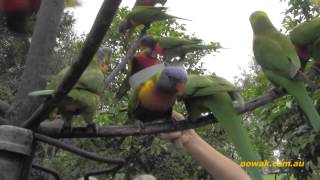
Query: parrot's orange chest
151	98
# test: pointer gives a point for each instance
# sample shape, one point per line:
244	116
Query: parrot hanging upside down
280	63
83	98
17	13
140	61
171	47
212	94
144	15
153	100
149	2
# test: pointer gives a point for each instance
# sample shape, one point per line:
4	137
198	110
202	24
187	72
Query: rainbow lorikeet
83	98
140	61
149	2
306	39
213	94
280	63
17	13
171	47
154	98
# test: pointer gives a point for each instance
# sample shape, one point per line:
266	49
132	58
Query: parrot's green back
210	94
280	63
172	42
148	14
306	32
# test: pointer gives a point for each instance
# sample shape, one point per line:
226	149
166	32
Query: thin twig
47	170
75	150
91	45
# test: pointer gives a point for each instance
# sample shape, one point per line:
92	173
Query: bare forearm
214	162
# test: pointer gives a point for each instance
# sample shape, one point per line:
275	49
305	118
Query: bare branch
47	170
128	130
76	150
91	45
101	172
153	128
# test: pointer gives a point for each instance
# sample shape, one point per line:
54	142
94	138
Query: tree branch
76	150
127	130
47	170
100	172
91	45
152	128
4	107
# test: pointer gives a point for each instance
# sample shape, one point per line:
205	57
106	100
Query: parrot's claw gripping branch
47	170
91	45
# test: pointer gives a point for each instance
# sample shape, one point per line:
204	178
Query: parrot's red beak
104	68
180	87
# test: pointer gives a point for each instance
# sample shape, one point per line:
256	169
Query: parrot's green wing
281	60
206	85
172	42
148	14
205	94
92	80
315	49
306	32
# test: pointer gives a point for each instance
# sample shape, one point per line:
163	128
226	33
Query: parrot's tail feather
223	110
305	102
180	18
41	93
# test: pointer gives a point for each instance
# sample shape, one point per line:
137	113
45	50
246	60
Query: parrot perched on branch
149	2
17	13
144	15
306	39
213	94
83	98
171	47
154	98
280	63
140	61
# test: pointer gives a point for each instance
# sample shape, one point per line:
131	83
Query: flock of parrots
282	58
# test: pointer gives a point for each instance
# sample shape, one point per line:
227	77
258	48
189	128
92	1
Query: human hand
179	138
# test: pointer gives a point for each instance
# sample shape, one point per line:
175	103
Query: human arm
213	161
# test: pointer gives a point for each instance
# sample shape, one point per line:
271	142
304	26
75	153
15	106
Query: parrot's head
172	80
260	22
123	26
104	56
148	41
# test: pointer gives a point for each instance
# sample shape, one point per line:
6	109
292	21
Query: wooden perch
102	172
91	45
75	150
47	170
153	128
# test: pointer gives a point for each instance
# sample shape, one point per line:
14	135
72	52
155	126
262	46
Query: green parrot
306	39
144	15
141	60
280	63
154	98
149	2
213	94
83	98
171	47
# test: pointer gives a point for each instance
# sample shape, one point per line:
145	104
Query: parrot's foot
92	126
140	125
278	90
